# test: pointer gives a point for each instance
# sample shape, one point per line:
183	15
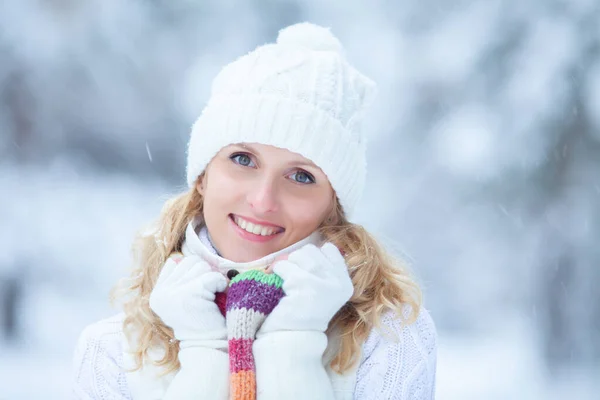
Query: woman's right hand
184	299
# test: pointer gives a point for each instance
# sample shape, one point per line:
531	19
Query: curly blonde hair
381	284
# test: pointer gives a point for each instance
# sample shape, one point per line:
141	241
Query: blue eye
241	159
303	177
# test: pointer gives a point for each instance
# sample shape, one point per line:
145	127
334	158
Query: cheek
307	213
222	190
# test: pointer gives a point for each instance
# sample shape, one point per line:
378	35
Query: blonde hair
381	284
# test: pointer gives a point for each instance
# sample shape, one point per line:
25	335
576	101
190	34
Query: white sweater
391	368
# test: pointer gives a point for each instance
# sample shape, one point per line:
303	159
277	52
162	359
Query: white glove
289	346
316	284
184	298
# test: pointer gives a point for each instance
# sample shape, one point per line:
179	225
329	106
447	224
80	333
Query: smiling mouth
256	229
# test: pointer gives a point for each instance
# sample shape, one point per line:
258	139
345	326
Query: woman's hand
316	284
184	298
290	344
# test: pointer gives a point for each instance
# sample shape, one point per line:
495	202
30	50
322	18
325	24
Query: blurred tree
497	157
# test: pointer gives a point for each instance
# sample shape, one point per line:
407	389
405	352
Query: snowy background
484	168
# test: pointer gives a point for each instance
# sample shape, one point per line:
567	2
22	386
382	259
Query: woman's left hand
316	284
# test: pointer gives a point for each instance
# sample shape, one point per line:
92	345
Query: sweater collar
197	241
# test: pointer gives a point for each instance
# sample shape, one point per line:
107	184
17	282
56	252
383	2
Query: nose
262	196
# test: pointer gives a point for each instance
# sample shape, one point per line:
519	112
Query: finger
309	258
205	287
281	257
214	282
332	253
292	275
166	271
339	268
182	268
335	257
286	269
194	271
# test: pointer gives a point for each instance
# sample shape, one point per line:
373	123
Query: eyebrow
293	162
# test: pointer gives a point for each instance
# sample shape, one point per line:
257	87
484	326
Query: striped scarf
250	298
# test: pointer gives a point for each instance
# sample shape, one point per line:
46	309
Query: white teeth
249	227
254	228
266	231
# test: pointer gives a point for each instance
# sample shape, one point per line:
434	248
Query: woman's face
259	199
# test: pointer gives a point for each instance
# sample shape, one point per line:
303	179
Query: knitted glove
184	298
289	346
252	295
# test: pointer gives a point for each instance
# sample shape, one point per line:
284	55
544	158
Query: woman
254	284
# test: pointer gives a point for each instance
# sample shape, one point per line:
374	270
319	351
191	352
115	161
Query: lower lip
251	236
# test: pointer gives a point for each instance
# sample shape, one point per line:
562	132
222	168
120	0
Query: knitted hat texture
299	94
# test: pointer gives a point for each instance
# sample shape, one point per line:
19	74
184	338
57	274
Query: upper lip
257	222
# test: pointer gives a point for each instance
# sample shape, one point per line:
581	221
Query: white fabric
402	370
146	383
293	357
290	344
98	362
203	370
390	369
300	94
184	299
316	284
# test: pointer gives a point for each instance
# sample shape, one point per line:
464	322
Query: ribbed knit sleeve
98	362
402	369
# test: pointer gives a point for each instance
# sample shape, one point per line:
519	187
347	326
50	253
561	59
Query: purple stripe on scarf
254	295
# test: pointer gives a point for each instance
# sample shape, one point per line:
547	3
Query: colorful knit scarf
250	298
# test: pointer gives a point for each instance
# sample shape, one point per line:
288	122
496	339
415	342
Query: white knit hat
299	94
